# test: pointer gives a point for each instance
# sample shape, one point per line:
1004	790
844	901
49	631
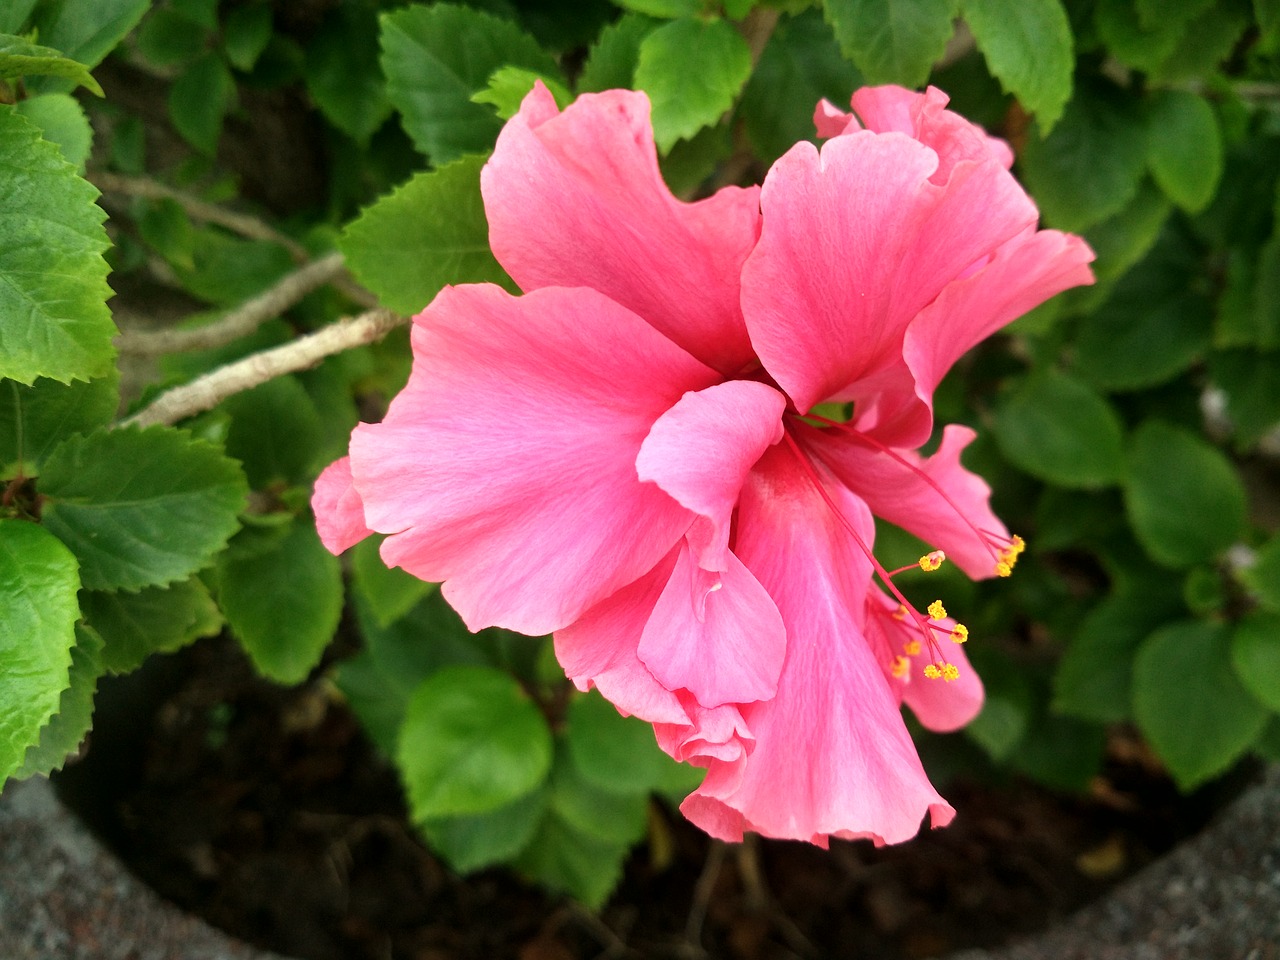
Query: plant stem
206	392
241	321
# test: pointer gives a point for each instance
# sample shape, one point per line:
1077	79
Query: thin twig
206	392
242	223
702	894
239	322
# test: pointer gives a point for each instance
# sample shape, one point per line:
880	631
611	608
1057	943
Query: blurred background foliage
267	168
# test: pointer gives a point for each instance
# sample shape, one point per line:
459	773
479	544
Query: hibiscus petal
717	635
599	649
924	117
577	199
856	242
338	509
506	467
701	449
832	755
935	498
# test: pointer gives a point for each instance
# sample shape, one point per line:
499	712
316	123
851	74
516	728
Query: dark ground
265	810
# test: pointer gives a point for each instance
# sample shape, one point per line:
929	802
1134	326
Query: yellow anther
1017	544
900	667
901	612
1004	569
950	672
932	561
911	648
932	671
936	610
959	633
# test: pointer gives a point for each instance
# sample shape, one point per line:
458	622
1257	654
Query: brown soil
266	811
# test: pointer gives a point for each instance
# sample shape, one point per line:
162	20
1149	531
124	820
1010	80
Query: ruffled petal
701	449
714	735
935	498
599	649
717	635
506	467
338	509
577	199
832	755
830	121
924	117
856	242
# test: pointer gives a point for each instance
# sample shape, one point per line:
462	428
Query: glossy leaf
87	30
53	281
282	596
1184	500
390	593
20	57
892	41
141	508
1056	428
1090	166
1129	345
480	840
800	65
692	71
429	232
275	433
435	58
472	742
34	419
1255	654
613	753
508	86
63	121
610	815
567	859
1185	148
38	611
62	735
343	75
611	61
154	620
1028	48
1189	703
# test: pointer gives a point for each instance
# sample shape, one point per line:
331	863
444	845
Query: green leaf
692	70
480	840
800	65
1143	46
87	30
247	32
613	753
1184	500
429	232
1006	709
472	742
1058	429
62	735
435	58
168	39
1251	382
372	697
54	321
564	858
275	433
282	596
668	9
154	620
22	58
1207	41
1184	148
1028	48
609	815
611	61
1093	679
390	593
63	121
199	99
1124	238
35	419
1061	753
201	12
1255	654
1189	703
227	270
510	85
14	14
38	611
1263	577
343	75
1090	166
140	508
1129	344
1155	13
892	41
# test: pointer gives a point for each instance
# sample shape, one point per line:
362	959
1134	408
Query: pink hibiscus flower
627	455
